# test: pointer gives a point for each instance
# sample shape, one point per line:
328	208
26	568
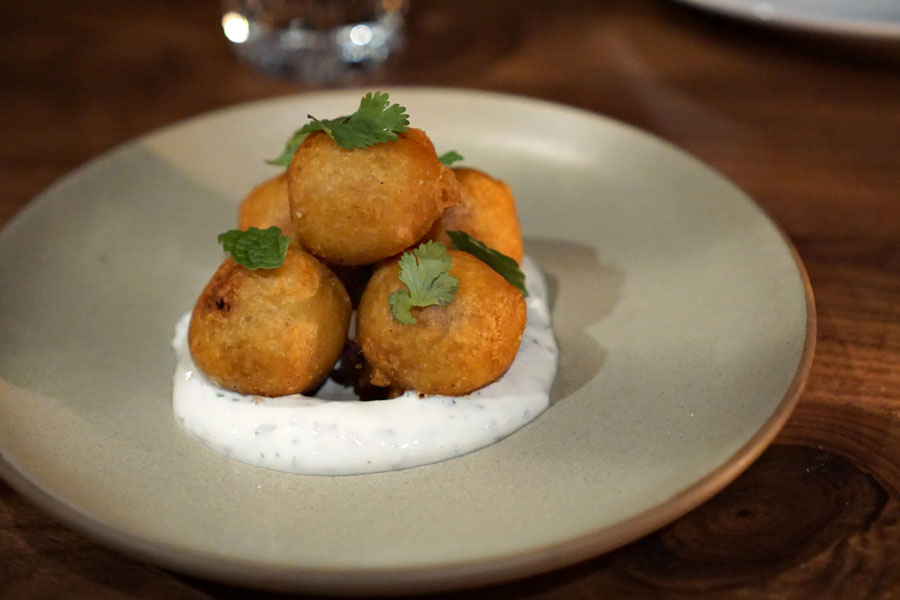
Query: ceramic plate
684	320
867	18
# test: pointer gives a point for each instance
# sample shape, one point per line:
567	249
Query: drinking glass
314	40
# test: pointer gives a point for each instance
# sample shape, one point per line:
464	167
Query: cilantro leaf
448	158
503	264
293	142
256	248
375	121
426	273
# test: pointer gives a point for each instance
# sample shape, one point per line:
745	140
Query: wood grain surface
808	125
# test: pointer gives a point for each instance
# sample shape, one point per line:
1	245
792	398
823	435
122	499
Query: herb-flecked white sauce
337	434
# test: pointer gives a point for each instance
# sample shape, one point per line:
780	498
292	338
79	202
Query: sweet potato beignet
270	332
452	349
354	207
267	205
486	211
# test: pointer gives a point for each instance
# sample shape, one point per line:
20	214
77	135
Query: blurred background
806	120
741	96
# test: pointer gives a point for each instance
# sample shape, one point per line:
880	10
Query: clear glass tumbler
314	40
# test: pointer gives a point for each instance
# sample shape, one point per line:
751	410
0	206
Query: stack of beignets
280	331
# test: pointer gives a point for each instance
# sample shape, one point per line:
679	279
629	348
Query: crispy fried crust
452	349
354	207
270	332
267	205
486	211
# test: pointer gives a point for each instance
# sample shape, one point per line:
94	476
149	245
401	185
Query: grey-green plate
684	319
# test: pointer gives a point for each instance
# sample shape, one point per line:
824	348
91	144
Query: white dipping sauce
336	434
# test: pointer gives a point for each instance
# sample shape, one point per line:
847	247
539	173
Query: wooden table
809	126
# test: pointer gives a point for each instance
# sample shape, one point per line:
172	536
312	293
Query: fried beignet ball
452	349
355	207
486	211
267	205
270	332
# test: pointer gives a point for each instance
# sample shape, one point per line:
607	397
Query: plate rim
442	576
857	28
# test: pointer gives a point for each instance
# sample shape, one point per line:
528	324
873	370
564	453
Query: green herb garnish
284	159
426	273
503	264
256	248
448	158
375	121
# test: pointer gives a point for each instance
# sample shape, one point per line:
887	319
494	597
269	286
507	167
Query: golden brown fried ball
452	349
486	211
270	332
354	207
267	205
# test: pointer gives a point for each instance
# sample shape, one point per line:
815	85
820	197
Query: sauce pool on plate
337	434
